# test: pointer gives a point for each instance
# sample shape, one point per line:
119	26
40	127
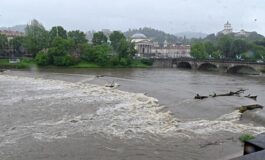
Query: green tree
3	43
36	38
260	42
102	53
63	46
216	54
126	50
225	44
57	31
17	44
99	38
97	54
78	37
258	52
198	51
116	38
238	47
209	47
87	53
42	58
66	60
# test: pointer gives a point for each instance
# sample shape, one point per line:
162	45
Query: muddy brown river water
68	114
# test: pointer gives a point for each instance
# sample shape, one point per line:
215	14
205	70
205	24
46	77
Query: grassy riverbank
29	63
23	64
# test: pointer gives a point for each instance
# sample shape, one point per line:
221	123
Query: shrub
246	137
123	62
63	60
114	60
147	62
42	58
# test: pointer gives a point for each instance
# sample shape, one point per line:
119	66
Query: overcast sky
172	16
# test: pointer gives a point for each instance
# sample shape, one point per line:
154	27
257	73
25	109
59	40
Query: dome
139	36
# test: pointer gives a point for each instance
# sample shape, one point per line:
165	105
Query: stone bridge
211	65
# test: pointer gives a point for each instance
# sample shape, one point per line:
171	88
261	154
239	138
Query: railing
210	60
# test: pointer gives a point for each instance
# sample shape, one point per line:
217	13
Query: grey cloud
170	15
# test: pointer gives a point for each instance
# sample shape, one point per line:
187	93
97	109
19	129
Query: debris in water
251	97
243	109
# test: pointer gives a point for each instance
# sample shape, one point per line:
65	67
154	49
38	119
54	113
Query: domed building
143	45
139	36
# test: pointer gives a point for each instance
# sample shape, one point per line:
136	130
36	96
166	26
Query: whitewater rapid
113	113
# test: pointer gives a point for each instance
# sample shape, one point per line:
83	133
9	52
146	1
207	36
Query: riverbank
23	64
29	63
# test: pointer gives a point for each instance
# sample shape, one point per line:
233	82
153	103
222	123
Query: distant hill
254	36
250	36
155	35
19	28
191	35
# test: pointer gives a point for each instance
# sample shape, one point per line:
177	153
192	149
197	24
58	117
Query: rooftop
139	36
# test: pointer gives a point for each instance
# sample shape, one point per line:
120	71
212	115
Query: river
65	114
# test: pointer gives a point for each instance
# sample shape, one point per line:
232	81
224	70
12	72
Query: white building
229	30
143	45
148	49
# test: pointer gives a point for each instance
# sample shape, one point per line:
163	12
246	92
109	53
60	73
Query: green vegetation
246	137
23	64
158	36
58	47
3	42
86	65
249	48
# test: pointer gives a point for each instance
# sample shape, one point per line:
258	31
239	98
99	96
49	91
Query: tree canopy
99	38
229	47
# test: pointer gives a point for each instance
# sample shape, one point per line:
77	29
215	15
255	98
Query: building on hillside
146	48
11	34
242	33
227	28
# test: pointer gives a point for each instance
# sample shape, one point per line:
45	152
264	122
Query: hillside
19	28
155	35
251	37
190	35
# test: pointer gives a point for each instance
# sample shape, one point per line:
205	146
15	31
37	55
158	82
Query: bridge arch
207	67
184	65
242	69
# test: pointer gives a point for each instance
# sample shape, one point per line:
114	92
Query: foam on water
121	114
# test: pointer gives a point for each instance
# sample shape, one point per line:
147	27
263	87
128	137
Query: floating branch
231	93
200	97
238	92
243	109
251	97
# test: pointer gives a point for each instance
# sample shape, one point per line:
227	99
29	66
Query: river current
70	114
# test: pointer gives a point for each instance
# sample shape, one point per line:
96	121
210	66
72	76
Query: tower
227	28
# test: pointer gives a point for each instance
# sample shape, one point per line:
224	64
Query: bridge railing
209	60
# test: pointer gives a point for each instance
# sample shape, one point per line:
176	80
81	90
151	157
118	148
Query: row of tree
229	47
62	48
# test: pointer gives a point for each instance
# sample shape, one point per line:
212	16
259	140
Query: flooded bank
73	114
